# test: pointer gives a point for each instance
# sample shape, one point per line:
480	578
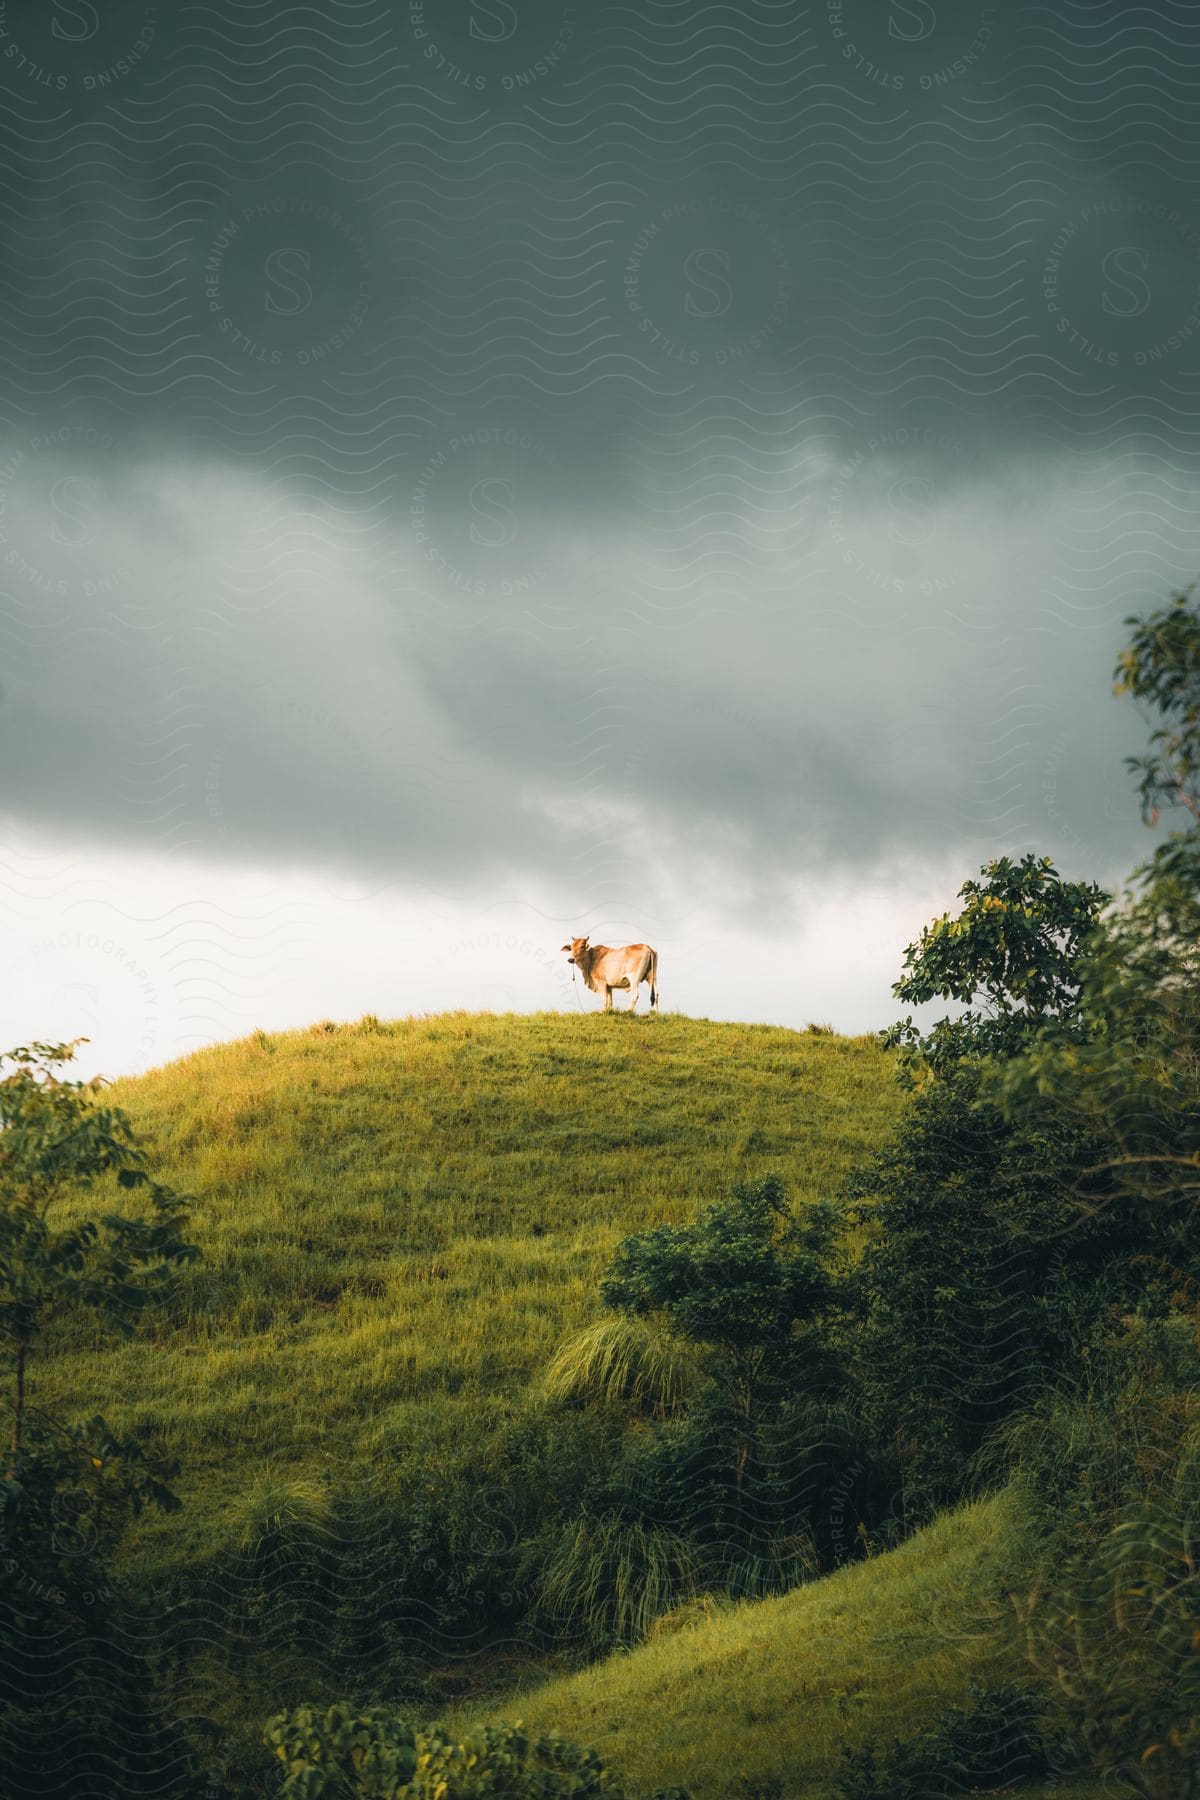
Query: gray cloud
531	449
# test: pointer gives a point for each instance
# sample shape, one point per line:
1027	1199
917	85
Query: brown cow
604	969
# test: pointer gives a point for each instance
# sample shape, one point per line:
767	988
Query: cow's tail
654	978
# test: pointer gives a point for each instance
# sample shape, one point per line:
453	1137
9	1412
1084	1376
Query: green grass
400	1222
774	1688
400	1226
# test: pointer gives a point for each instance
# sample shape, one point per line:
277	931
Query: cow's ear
566	946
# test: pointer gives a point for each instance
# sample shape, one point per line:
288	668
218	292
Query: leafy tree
1111	1466
57	1138
977	1276
976	1264
74	1688
1011	956
1112	1457
1132	1068
1161	666
76	1707
749	1282
725	1486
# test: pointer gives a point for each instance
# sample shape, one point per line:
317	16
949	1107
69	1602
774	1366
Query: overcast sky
481	472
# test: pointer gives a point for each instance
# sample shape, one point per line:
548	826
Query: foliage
57	1138
739	1471
1161	666
1132	1070
374	1755
75	1686
1112	1620
740	1279
1134	1078
979	1275
749	1282
1052	1168
992	1741
1011	956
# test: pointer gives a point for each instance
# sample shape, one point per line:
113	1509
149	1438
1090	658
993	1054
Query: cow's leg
634	987
607	998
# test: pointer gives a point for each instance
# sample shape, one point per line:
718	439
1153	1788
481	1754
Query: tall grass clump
626	1362
284	1520
607	1578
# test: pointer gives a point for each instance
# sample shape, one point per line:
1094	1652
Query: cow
604	969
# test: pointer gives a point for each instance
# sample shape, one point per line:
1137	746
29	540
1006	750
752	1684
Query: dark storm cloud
483	441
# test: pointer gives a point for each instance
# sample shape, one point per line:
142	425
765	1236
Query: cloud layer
631	465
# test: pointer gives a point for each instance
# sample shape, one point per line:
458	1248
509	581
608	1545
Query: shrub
77	1712
340	1755
976	1282
995	1741
1112	1623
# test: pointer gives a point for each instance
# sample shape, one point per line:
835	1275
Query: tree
1115	1466
1011	956
1161	665
749	1282
58	1140
1131	1068
741	1467
977	1279
75	1688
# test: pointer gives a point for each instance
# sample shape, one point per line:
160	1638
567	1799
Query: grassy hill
400	1221
770	1690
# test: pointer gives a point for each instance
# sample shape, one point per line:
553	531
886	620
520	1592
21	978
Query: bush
994	1741
979	1277
1112	1624
340	1755
77	1707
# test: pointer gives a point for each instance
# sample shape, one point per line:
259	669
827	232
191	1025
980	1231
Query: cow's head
577	947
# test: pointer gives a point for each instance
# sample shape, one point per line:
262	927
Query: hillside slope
771	1690
400	1221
